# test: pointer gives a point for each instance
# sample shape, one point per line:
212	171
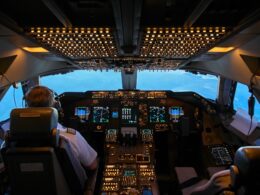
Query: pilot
41	96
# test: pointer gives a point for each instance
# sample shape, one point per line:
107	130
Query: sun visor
5	63
253	63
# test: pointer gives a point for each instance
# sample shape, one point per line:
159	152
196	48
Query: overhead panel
161	48
132	63
77	43
179	43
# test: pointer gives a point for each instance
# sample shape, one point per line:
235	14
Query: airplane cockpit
136	129
150	139
143	136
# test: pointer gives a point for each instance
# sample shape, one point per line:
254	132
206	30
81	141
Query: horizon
176	81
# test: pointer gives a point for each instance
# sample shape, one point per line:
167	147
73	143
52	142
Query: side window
241	100
12	99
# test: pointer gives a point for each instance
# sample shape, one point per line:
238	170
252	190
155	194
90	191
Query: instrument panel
157	114
101	114
129	122
114	109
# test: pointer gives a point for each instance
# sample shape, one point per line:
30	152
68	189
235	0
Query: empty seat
243	178
245	173
219	183
188	179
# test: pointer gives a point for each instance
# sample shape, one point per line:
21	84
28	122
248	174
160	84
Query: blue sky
82	80
179	80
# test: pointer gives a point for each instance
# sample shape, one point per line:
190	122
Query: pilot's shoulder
66	129
5	125
71	131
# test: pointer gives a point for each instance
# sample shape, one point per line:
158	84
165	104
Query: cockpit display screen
129	172
129	115
175	113
157	114
115	114
100	114
82	112
146	132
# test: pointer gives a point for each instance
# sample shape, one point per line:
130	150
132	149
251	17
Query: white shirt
80	147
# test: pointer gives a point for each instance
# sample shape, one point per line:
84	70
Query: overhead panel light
77	43
35	49
178	42
220	49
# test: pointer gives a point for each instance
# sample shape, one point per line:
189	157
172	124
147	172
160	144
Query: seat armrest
91	182
185	173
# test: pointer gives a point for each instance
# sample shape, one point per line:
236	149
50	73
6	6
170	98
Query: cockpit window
12	99
241	100
82	80
179	80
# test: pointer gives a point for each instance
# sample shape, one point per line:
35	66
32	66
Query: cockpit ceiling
111	34
167	47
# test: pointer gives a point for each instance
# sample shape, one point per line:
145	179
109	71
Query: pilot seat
242	178
245	173
37	161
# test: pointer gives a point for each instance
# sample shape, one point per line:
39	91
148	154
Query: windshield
178	80
83	80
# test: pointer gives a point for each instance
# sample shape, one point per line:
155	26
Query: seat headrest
245	173
247	160
33	126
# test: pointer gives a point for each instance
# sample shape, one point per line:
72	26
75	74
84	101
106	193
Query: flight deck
129	129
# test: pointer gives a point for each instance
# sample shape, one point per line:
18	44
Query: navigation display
157	114
129	115
129	172
100	114
82	112
146	131
175	113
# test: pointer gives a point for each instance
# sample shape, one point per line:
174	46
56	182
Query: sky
82	80
146	80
